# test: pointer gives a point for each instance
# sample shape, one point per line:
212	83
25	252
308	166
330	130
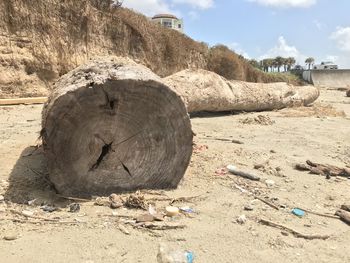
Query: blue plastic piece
190	256
298	212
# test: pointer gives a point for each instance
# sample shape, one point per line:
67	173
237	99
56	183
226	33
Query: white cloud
193	15
283	49
332	58
318	24
148	7
286	3
152	7
203	4
342	38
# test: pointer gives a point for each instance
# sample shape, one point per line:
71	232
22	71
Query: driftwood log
206	91
323	169
112	125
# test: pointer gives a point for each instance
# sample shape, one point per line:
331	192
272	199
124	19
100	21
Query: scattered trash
49	209
152	210
270	183
186	209
200	148
172	211
241	219
168	255
298	212
27	213
75	207
233	169
221	171
31	202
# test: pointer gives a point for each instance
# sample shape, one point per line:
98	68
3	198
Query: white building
326	65
169	21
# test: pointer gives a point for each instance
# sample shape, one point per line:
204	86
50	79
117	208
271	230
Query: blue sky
264	28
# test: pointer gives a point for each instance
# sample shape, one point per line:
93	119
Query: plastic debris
31	202
49	209
172	211
298	212
27	213
75	207
187	209
241	219
270	183
168	255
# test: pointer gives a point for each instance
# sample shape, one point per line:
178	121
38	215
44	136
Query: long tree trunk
206	91
112	125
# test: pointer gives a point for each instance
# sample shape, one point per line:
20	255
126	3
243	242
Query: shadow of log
29	179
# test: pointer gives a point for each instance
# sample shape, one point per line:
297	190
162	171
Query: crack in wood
126	169
104	152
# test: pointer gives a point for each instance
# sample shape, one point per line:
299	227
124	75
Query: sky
259	29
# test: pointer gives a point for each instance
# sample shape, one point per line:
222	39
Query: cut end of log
112	126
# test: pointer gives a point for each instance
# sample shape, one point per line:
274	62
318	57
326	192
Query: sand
319	133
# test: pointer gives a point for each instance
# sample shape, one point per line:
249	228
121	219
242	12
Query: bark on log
206	91
112	125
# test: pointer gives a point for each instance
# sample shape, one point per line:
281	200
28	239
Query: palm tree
279	61
290	62
310	61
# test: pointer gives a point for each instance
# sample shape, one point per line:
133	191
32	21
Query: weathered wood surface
17	101
206	91
112	125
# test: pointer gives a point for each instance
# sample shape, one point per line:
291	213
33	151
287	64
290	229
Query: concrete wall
339	78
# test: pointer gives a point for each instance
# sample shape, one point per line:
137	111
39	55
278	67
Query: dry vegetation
43	40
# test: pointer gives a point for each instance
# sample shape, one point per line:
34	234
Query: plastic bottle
168	255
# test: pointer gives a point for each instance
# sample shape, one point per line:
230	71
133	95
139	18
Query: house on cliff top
169	21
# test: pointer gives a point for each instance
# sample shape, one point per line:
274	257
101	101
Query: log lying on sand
112	125
206	91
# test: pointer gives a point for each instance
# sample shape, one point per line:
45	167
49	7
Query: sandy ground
212	233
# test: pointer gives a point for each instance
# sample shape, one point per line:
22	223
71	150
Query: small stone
2	198
270	183
284	233
49	209
27	213
145	218
11	237
116	201
241	219
249	208
99	201
114	213
75	207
